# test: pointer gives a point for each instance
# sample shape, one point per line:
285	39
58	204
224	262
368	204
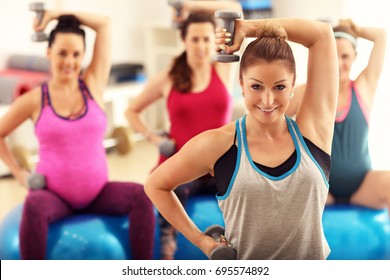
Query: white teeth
267	110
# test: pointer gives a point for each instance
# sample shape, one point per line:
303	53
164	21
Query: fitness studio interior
144	42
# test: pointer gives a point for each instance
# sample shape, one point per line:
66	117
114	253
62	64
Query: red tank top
193	113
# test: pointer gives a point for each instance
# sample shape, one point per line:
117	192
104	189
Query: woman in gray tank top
266	215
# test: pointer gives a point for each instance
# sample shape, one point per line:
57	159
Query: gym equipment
352	232
98	237
203	211
29	63
11	87
15	82
357	233
177	5
120	140
36	181
223	251
126	72
22	73
39	9
227	21
79	237
167	147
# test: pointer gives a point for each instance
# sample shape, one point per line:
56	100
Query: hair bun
273	31
68	22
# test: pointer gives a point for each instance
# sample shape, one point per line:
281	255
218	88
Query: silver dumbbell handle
227	19
167	147
177	5
39	9
36	181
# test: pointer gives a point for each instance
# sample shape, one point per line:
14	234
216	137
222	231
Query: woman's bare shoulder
216	141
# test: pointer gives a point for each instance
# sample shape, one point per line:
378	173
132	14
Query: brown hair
270	45
67	24
180	71
348	27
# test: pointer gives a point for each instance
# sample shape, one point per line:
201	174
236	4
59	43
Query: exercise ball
78	237
9	235
204	212
105	237
357	233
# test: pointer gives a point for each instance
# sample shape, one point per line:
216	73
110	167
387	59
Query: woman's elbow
130	114
148	187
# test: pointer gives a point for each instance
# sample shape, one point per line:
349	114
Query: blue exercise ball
204	212
89	237
357	233
104	237
78	237
9	235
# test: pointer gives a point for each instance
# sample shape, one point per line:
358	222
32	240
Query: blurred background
144	42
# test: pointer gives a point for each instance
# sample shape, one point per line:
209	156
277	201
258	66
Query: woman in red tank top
197	93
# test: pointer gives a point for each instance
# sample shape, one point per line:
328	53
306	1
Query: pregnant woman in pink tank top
70	124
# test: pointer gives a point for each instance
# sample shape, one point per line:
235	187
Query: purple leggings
43	207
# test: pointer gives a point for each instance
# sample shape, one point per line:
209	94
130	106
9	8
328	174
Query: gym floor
134	166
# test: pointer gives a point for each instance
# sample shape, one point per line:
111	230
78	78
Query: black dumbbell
227	19
223	251
39	9
167	147
36	181
177	5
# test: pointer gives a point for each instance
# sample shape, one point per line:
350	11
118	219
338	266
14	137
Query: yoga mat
29	62
11	86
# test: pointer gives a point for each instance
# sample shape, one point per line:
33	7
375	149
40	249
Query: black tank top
225	165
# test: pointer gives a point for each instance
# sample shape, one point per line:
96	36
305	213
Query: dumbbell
26	161
223	251
39	9
177	5
167	147
36	181
227	19
120	139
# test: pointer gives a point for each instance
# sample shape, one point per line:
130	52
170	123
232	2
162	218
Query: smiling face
66	54
199	42
267	87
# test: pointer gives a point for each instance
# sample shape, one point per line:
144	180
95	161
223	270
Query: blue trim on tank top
309	153
274	178
238	160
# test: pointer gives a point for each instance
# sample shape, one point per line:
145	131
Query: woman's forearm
293	27
172	210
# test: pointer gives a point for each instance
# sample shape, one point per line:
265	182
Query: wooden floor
134	166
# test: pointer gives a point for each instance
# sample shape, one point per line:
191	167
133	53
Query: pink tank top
193	113
71	152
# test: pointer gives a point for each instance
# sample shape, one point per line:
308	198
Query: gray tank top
269	217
